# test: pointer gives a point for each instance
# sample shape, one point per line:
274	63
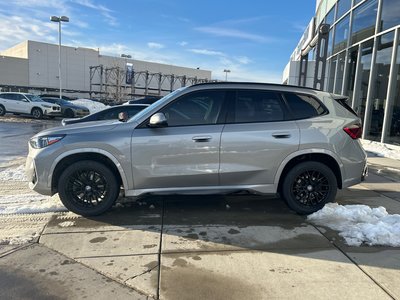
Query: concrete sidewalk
236	247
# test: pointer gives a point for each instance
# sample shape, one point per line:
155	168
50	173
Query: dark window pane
390	14
352	64
379	87
343	7
330	42
258	106
330	17
341	35
303	106
133	110
197	108
365	69
332	69
340	73
394	110
364	19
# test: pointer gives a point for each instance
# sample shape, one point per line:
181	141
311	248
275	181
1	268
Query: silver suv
207	138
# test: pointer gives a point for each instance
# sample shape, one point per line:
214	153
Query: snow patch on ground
381	150
29	204
67	224
93	106
19	240
14	174
360	224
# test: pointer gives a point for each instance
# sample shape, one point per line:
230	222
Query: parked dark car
108	113
68	109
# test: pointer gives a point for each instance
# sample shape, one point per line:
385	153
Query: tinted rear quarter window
304	106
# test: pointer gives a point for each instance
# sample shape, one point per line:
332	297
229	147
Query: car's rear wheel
88	188
69	113
37	113
2	110
308	186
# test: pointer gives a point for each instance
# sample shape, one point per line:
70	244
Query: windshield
62	101
33	98
157	104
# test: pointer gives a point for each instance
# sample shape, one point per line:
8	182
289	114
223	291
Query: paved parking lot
200	247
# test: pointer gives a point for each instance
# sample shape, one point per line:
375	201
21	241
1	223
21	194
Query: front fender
89	150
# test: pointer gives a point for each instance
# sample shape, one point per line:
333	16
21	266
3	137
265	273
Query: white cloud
106	12
153	45
15	29
234	33
183	43
244	60
207	52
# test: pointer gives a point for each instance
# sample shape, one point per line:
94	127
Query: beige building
33	66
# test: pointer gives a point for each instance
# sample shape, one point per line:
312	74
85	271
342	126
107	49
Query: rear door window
304	106
256	106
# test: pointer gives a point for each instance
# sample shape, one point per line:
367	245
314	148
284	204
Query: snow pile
360	224
29	204
93	106
382	150
15	174
19	240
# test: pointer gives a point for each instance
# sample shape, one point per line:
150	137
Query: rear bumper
364	173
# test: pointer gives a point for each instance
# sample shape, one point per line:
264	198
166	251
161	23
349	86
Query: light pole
226	73
59	20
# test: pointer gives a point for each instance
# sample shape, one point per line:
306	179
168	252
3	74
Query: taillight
354	131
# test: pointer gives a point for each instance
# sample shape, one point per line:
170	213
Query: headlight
47	106
44	141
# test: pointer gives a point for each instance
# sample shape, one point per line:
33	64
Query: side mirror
158	120
123	116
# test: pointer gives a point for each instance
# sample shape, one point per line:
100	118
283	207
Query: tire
308	186
2	110
37	113
69	113
88	188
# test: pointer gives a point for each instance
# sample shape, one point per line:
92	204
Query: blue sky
254	39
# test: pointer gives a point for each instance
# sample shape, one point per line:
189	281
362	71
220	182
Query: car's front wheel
37	113
308	186
88	188
2	110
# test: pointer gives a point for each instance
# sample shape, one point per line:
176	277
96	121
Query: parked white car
23	103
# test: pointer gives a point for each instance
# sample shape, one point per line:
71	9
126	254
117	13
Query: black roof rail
254	83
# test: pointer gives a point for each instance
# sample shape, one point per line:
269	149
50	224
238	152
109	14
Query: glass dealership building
360	60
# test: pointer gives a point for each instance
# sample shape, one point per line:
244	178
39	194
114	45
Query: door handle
281	135
201	139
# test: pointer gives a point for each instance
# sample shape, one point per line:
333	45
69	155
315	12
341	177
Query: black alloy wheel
2	110
308	186
88	188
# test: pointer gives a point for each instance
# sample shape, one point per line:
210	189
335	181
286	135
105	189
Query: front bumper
81	113
32	175
54	113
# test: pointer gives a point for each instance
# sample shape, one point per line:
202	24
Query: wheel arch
36	107
86	154
325	157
